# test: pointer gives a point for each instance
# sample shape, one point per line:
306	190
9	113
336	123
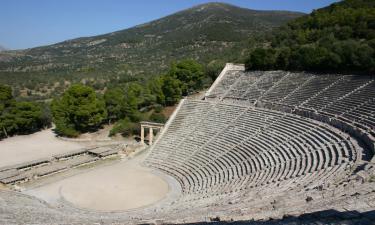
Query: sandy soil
167	111
35	146
122	186
101	134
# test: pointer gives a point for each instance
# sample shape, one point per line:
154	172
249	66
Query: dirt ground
35	146
122	186
24	148
167	111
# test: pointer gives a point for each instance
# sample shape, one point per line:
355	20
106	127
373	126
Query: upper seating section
346	97
230	78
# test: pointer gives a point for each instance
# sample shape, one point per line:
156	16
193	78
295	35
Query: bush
158	108
261	59
158	118
125	127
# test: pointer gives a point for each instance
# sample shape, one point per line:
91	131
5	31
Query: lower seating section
230	148
350	199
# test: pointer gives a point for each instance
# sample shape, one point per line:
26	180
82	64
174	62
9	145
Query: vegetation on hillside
80	109
206	33
19	117
182	78
338	38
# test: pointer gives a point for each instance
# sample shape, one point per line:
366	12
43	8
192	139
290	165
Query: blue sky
31	23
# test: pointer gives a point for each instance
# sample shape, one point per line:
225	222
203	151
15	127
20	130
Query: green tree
78	110
335	38
115	103
6	97
171	89
125	127
140	93
22	118
262	59
213	69
155	86
190	73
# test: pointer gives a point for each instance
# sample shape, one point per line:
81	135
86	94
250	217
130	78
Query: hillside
339	38
205	32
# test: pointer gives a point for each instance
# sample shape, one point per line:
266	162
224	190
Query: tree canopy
340	38
190	74
20	117
78	110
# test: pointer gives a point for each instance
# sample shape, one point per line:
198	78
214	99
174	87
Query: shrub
158	117
125	127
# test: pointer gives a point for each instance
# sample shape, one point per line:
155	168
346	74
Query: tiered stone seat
286	87
238	89
230	78
310	88
263	84
190	114
347	97
234	146
102	152
357	107
339	89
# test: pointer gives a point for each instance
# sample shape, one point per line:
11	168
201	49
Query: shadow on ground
315	218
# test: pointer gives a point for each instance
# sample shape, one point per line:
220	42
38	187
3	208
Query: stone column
151	135
142	135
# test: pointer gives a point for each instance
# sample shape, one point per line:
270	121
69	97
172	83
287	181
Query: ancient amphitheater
270	147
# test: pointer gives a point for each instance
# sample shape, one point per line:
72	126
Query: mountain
2	48
206	32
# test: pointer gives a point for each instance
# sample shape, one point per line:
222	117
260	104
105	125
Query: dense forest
338	38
